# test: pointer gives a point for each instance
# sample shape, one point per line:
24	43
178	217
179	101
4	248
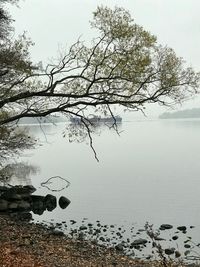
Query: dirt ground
25	244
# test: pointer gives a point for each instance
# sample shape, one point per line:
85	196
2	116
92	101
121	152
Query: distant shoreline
182	114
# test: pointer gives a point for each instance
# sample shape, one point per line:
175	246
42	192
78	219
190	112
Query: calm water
151	172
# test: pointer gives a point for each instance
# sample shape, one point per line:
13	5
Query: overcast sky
54	23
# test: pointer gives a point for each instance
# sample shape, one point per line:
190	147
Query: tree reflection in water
17	173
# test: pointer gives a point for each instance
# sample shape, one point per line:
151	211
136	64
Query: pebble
165	226
182	228
169	251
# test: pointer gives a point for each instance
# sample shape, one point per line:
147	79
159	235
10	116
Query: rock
8	195
138	242
187	246
37	198
73	221
119	247
141	230
187	252
64	202
24	205
175	237
30	188
101	238
50	202
177	254
169	251
13	206
165	226
38	204
38	211
3	205
57	232
18	189
182	228
159	238
3	188
24	216
94	241
17	192
82	227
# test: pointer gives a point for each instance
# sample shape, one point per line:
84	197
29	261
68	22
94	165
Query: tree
124	66
14	65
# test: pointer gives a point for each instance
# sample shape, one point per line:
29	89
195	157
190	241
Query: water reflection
78	131
17	173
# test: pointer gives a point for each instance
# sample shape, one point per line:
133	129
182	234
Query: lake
148	173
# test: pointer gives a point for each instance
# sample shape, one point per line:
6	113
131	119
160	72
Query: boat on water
98	119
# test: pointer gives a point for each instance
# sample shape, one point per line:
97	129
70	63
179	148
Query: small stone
187	252
159	238
81	236
177	254
165	226
82	228
57	232
169	251
119	247
182	228
94	241
97	231
138	242
101	238
175	237
187	246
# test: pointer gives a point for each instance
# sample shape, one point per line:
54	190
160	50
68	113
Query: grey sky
51	23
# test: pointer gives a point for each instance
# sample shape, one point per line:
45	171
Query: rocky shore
24	244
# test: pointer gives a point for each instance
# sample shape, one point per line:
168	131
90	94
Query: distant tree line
187	113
